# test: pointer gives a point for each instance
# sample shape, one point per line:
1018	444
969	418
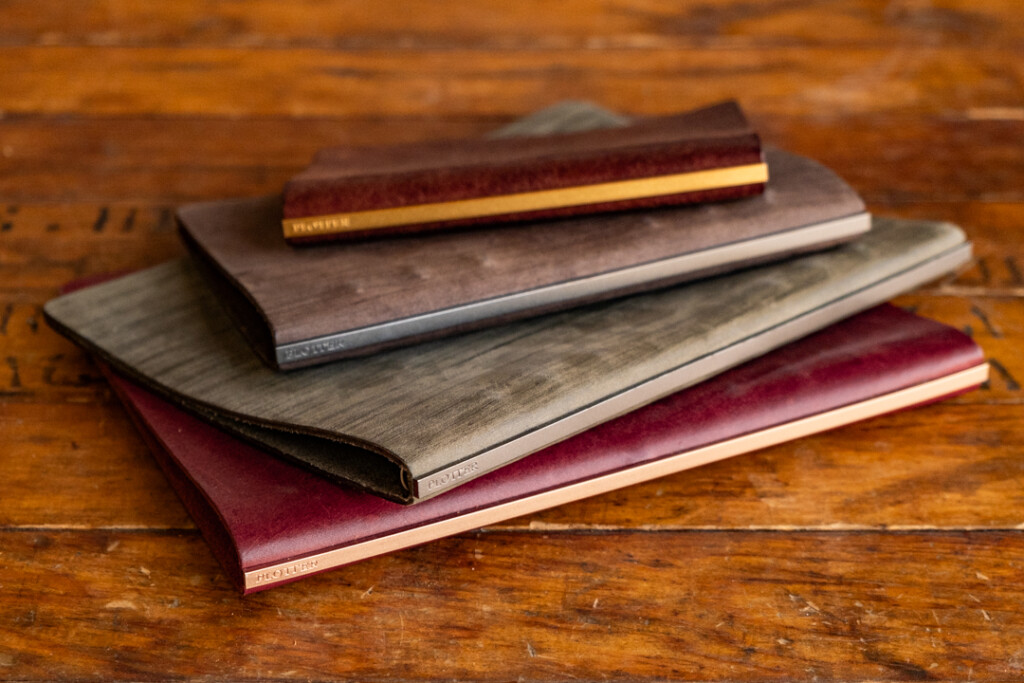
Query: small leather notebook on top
412	423
270	522
352	192
301	307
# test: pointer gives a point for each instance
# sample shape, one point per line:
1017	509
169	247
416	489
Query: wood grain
689	606
51	369
306	82
98	472
46	245
118	159
886	551
907	452
903	473
584	24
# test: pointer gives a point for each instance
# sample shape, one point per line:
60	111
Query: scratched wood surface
890	550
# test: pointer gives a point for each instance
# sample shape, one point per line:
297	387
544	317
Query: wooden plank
992	227
47	245
893	159
994	323
186	158
38	366
43	367
60	417
949	466
589	24
532	606
80	466
308	82
179	159
938	467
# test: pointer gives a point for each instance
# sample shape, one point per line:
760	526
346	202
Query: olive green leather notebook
413	422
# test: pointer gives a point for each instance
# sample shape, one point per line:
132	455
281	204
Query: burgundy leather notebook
352	192
300	307
270	522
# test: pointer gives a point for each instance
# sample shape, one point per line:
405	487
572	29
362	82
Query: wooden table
887	550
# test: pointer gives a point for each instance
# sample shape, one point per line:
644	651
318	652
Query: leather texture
256	510
350	179
280	295
398	419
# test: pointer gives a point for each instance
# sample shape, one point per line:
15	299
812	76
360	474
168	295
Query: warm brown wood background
891	550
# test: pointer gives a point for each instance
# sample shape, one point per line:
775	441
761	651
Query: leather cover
257	511
414	422
349	180
300	307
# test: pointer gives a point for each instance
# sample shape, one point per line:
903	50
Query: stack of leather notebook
415	341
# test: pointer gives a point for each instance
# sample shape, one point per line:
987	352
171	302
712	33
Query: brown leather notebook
352	192
300	307
270	522
411	423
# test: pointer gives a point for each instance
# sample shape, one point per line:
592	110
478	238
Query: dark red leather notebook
351	192
270	522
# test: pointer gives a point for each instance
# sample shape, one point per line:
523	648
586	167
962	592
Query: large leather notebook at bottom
301	307
270	522
412	423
